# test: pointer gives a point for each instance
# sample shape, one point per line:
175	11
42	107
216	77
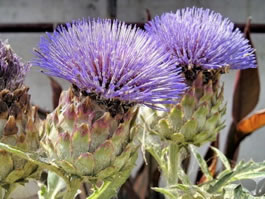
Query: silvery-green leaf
170	193
202	163
242	170
194	191
250	170
250	175
222	157
229	177
183	176
221	182
237	192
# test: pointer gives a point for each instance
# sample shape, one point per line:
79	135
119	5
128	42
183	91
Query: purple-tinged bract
112	60
12	70
199	37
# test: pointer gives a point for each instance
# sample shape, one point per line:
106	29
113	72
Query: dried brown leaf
245	98
247	88
252	123
56	92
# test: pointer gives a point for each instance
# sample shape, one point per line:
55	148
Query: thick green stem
173	164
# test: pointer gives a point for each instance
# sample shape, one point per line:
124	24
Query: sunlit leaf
192	191
170	193
237	191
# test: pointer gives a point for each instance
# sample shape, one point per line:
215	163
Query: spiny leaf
212	169
211	159
221	182
237	191
251	175
193	190
243	170
222	158
202	163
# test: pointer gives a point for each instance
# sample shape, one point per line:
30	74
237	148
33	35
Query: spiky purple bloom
112	60
202	38
12	70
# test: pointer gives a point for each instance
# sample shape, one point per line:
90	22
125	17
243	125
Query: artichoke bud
91	132
210	48
19	124
19	120
197	118
86	139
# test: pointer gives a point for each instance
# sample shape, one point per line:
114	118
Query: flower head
12	70
201	38
111	60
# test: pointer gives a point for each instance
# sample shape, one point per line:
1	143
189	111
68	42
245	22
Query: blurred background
59	11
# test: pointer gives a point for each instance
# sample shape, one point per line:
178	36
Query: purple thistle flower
112	60
12	70
202	38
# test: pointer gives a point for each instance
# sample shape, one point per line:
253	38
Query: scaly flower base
108	189
19	123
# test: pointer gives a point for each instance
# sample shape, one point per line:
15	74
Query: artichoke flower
113	68
204	45
19	121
